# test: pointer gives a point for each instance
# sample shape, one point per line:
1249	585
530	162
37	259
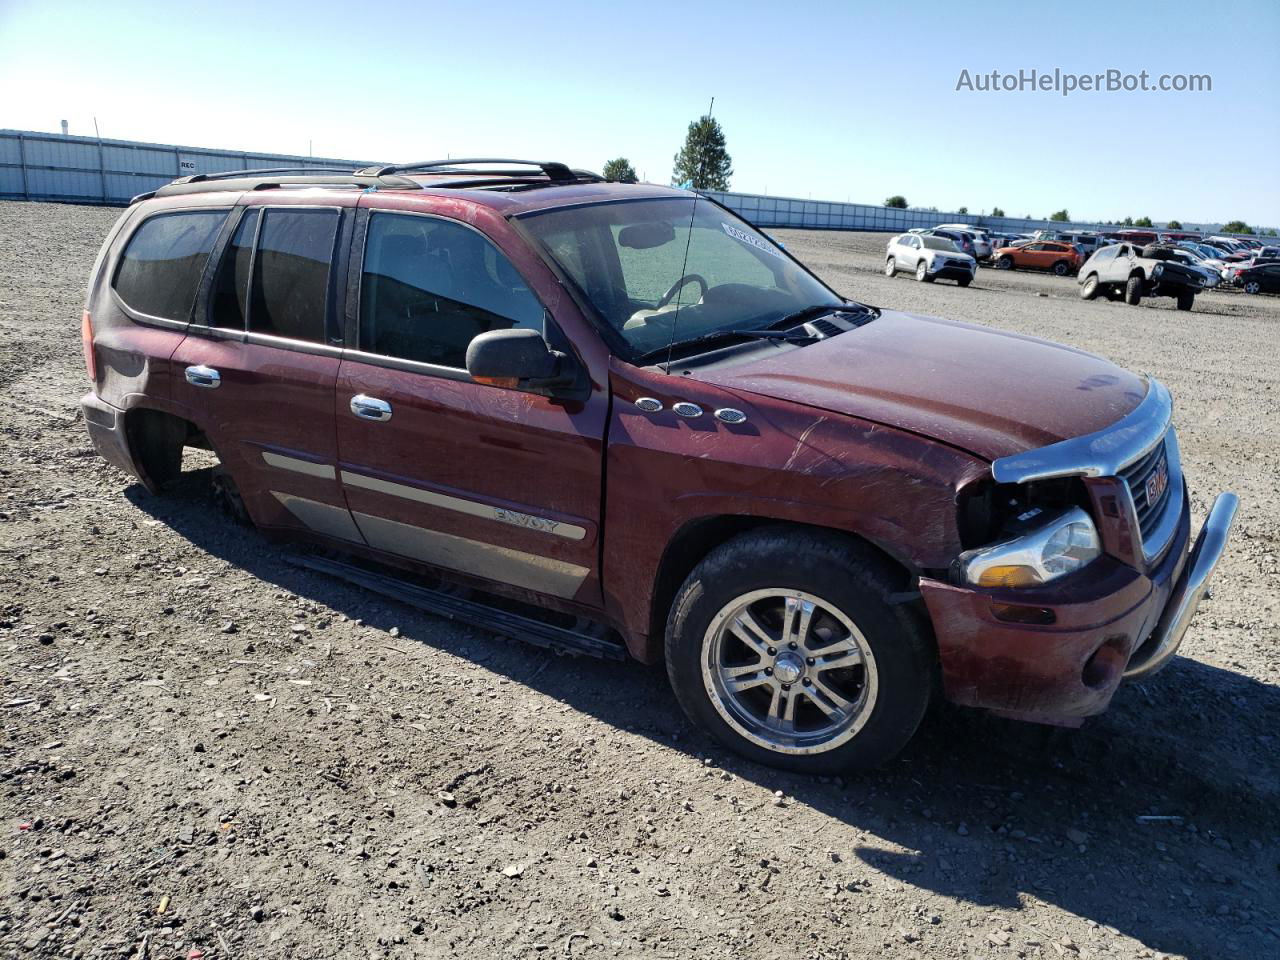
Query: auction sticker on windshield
745	237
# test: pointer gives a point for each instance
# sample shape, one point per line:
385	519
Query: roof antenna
684	265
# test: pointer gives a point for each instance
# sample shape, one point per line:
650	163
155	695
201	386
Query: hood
986	391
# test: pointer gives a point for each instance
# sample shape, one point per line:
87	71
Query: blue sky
834	100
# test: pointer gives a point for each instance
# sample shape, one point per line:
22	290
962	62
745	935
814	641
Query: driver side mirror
506	358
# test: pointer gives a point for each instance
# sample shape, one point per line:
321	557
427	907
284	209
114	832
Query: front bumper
1057	654
952	271
1191	588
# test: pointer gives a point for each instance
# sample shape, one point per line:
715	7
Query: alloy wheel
789	671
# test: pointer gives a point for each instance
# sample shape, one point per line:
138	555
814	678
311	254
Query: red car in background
1060	258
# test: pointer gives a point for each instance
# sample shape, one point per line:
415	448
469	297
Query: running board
502	622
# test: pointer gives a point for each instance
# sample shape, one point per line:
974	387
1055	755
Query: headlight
1062	546
1157	270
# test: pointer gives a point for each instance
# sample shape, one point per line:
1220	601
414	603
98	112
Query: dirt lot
207	749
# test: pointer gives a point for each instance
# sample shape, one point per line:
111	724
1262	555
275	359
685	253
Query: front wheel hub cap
788	668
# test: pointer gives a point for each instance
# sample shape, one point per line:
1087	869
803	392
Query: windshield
940	243
629	259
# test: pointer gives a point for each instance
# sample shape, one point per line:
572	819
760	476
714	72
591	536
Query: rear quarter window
161	266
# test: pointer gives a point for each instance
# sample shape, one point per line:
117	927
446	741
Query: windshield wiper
753	333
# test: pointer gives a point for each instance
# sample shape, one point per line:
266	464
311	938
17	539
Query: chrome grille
1136	476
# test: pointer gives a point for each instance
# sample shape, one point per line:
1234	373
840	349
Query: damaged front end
1075	573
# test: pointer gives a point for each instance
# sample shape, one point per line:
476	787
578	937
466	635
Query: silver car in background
929	258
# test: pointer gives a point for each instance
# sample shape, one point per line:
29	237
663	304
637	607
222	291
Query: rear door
258	373
499	485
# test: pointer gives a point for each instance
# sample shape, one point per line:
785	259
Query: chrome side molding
1100	454
1191	588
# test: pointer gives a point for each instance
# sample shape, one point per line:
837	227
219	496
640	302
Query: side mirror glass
504	358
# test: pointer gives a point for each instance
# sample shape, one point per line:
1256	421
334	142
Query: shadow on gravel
985	811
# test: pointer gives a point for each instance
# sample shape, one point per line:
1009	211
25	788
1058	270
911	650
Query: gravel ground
209	752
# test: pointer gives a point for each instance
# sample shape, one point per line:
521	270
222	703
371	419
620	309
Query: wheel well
156	440
1137	272
699	537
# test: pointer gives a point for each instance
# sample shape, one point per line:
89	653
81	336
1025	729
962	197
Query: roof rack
247	180
553	170
260	172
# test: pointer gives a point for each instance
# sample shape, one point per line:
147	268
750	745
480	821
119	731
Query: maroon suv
624	405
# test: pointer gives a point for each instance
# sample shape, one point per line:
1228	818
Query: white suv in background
929	258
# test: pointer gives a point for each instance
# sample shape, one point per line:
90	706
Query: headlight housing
1064	545
1157	270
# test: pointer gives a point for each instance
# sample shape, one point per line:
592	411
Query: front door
257	371
497	484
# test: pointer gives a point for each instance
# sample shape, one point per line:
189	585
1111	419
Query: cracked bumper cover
1110	622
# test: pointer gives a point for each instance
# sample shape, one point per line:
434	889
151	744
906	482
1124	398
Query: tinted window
230	295
161	267
290	289
431	286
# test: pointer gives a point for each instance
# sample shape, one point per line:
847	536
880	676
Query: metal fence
52	166
823	215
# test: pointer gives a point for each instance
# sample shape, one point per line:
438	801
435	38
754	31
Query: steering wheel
675	288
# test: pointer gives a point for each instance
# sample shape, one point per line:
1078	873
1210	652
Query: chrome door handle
202	376
370	408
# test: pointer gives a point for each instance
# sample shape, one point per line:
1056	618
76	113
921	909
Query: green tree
1128	222
963	210
1236	226
621	170
703	160
997	212
1175	225
1143	222
1061	216
897	201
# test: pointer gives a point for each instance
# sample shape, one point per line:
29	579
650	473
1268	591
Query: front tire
1186	299
1089	289
1005	263
1133	291
890	267
965	281
922	272
785	647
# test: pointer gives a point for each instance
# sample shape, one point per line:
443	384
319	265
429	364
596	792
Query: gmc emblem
1157	482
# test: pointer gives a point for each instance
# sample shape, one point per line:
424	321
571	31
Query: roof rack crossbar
552	169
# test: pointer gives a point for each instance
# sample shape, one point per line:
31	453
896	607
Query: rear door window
289	292
231	293
161	266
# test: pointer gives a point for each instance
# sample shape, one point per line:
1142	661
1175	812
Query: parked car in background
623	407
1061	259
961	238
1212	275
982	246
1124	269
1260	279
1139	237
929	258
